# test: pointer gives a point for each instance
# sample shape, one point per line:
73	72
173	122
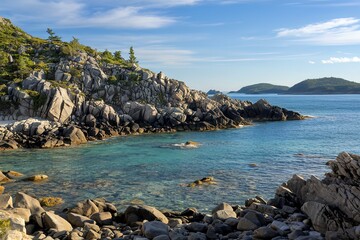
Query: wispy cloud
312	62
339	31
324	3
77	13
333	60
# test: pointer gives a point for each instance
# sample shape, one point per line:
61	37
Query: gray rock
197	236
102	218
265	233
323	218
51	220
281	227
197	227
224	214
140	213
78	220
154	229
222	206
251	221
86	208
6	201
91	234
23	200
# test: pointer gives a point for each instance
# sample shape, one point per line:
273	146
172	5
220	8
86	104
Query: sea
155	169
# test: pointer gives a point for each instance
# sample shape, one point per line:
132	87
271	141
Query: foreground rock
301	209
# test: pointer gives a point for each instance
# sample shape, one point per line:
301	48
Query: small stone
197	227
162	237
281	227
295	234
265	233
197	236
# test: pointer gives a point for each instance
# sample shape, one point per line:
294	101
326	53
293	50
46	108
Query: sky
210	44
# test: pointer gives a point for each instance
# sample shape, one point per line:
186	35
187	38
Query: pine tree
52	37
117	55
132	58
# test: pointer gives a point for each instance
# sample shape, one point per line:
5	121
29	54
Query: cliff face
73	86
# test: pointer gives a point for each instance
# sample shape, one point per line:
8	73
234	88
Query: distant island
212	92
327	85
262	88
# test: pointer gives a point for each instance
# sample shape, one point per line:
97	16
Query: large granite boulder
333	203
139	213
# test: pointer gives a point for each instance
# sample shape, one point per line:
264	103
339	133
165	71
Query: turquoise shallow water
144	168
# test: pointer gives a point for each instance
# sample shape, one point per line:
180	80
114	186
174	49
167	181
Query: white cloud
333	60
78	13
311	62
339	31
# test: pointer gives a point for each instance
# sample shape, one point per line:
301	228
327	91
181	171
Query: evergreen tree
117	55
132	58
52	37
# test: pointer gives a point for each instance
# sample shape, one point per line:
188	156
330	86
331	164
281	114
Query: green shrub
4	227
113	79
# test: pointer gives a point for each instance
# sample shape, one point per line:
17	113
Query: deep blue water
144	168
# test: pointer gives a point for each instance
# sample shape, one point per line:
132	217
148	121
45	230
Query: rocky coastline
50	114
301	209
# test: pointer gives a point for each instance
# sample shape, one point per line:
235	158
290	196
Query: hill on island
212	92
262	88
329	85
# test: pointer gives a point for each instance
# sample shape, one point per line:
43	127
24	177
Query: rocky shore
301	209
60	116
65	93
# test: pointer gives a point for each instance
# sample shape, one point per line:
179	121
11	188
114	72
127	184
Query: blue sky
209	43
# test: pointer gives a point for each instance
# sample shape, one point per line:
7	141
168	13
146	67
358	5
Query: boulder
154	228
78	220
140	213
74	135
51	220
86	208
37	178
265	233
323	218
224	214
3	178
102	218
251	221
6	201
60	107
23	200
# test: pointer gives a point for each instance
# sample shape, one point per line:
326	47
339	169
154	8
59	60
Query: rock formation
301	209
76	94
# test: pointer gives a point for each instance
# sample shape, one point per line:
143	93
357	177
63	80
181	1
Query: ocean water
148	169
